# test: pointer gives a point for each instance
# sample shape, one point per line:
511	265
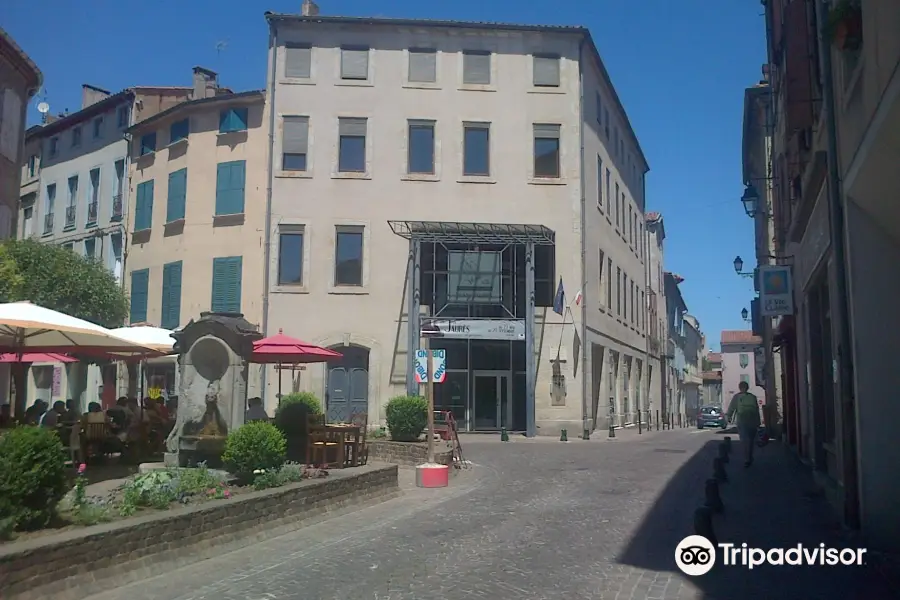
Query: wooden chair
322	442
95	436
360	451
313	421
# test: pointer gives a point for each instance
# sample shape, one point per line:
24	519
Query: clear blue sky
680	68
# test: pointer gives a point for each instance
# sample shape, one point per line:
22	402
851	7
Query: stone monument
212	395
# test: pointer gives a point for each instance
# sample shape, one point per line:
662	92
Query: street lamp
744	314
750	200
739	265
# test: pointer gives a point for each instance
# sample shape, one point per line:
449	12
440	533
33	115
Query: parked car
711	416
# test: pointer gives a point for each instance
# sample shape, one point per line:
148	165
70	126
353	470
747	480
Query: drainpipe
585	389
267	235
836	213
645	254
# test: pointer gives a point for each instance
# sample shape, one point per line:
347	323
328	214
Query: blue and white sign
438	365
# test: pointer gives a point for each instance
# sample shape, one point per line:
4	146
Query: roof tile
740	337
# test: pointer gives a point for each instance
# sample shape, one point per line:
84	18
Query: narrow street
532	519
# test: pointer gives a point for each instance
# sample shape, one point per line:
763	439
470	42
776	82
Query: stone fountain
212	394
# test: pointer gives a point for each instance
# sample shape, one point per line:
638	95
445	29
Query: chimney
309	8
92	95
205	83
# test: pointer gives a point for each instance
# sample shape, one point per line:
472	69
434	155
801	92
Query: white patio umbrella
28	327
155	338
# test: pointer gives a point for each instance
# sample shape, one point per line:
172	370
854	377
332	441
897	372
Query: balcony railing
92	214
48	223
70	216
117	208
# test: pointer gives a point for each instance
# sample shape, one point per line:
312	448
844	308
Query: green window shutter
226	284
230	178
140	283
171	296
177	195
143	213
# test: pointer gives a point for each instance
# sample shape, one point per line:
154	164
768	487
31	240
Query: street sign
438	365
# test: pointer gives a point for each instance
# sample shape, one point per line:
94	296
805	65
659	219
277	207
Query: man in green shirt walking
746	407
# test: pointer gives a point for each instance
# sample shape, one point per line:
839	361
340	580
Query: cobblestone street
531	519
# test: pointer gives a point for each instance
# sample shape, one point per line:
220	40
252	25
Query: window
295	143
643	311
148	144
632	289
230	177
352	145
94	195
477	149
226	284
90	247
51	197
608	195
140	285
422	65
54	147
609	301
297	61
76	137
634	230
618	291
143	206
290	258
546	70
606	122
355	63
232	120
599	182
628	226
73	190
476	67
600	274
171	296
598	101
625	297
177	198
122	116
98	127
32	165
546	151
745	379
744	360
179	130
348	259
420	157
118	183
618	206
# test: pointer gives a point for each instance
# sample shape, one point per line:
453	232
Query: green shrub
253	446
312	403
32	476
407	417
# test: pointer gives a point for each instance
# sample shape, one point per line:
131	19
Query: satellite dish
43	108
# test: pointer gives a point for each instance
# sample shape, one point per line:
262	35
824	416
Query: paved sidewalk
775	504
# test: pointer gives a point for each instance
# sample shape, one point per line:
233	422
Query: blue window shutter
140	283
233	119
230	178
177	195
240	119
143	213
223	181
171	296
226	284
238	176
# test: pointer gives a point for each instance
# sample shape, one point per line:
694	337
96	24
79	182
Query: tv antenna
220	47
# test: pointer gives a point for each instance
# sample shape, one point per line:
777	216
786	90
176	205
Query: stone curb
91	560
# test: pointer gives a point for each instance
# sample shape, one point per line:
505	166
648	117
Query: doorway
347	393
490	401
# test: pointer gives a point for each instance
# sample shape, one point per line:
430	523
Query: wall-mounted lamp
738	267
744	315
750	200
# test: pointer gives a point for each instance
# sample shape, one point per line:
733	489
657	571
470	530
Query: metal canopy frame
470	233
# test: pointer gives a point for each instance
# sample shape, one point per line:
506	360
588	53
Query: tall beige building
465	179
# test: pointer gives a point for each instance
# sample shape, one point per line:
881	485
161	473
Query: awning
473	233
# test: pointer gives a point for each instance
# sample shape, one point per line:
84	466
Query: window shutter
296	135
352	127
239	116
223	179
171	296
143	214
423	65
355	63
546	71
546	131
477	68
238	174
175	204
297	61
140	281
226	292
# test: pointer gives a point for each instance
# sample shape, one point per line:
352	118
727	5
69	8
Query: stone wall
408	453
77	563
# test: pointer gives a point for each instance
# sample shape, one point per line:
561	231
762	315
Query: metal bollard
713	498
719	470
563	435
703	524
504	435
723	452
612	415
640	418
657	419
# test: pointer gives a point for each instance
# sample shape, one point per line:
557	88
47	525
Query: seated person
118	416
255	411
71	414
94	414
51	418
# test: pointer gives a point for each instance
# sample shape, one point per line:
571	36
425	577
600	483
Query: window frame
292	230
344	80
476	126
349	122
543	131
422	51
285	121
546	56
423	124
340	230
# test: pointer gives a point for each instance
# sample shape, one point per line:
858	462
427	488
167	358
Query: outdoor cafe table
350	435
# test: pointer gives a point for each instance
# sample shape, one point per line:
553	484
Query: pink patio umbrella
281	349
35	357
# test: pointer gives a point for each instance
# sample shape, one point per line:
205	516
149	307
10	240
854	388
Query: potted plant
845	25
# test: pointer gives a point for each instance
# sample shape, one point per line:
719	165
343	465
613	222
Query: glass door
491	408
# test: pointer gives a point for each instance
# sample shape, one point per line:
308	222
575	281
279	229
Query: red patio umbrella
35	357
280	349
